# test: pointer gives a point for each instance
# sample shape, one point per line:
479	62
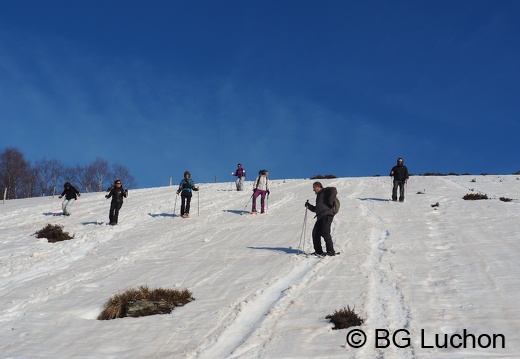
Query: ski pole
57	206
304	227
76	207
198	203
244	210
175	205
102	208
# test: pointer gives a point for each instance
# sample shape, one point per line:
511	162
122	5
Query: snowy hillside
441	273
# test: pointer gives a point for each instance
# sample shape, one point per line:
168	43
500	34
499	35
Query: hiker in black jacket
117	193
71	195
324	214
400	174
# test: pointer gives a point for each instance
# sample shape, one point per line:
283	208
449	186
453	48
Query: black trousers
322	229
185	202
114	211
399	184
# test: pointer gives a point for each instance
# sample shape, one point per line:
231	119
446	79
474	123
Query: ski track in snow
386	307
248	315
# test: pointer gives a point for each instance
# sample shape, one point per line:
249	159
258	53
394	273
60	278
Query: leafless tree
122	173
76	176
47	173
98	173
13	172
19	179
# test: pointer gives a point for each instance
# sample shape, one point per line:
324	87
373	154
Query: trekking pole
102	209
198	203
244	210
392	187
76	207
175	205
304	227
57	206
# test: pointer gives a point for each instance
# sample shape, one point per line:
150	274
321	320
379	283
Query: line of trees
21	179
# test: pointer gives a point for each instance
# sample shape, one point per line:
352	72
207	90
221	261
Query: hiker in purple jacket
240	173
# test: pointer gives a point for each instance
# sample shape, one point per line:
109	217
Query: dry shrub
505	199
163	300
53	233
345	318
475	196
323	177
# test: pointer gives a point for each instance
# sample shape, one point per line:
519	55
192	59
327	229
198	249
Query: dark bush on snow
53	233
323	177
345	318
143	302
475	196
505	199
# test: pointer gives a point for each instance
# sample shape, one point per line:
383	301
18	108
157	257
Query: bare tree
122	173
98	173
47	173
14	171
19	179
56	170
29	186
76	175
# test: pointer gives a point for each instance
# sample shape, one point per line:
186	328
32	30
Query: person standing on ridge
185	189
324	215
71	195
261	188
400	174
240	173
117	193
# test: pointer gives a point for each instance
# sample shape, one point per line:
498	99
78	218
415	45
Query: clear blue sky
297	87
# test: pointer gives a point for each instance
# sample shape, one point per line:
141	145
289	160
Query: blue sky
297	87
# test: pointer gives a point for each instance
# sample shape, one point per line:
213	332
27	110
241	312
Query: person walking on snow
400	174
261	188
185	189
240	173
325	214
71	195
117	193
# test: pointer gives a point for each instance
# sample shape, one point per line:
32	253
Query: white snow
435	272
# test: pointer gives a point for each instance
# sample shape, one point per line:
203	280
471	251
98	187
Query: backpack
335	205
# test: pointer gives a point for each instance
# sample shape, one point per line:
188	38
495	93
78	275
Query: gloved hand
232	173
59	196
307	204
106	196
177	191
79	194
268	192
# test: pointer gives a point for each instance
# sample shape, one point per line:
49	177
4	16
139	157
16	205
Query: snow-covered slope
437	272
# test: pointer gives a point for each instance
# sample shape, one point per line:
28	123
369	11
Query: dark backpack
335	205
